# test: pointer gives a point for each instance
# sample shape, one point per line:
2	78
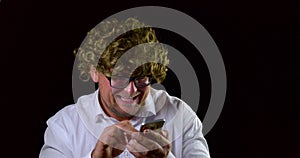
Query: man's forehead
121	74
127	73
124	72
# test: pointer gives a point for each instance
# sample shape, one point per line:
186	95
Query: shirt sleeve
194	143
56	143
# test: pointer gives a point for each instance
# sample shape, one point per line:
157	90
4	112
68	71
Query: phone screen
153	125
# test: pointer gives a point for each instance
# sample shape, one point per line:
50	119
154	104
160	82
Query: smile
128	99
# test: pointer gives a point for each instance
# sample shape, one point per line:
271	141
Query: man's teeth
127	98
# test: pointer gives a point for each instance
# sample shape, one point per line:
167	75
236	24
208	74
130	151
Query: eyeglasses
121	82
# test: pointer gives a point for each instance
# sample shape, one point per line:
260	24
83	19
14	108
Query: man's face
121	103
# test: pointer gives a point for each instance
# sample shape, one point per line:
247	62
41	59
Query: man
124	58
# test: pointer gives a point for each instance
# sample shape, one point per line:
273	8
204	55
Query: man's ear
94	73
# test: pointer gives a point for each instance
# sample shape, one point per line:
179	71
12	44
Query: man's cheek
144	96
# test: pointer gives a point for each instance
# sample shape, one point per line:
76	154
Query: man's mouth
129	98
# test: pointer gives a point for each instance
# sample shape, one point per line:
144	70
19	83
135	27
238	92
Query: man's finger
160	138
148	143
140	150
136	147
113	137
126	126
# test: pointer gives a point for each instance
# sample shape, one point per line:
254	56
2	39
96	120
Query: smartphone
153	125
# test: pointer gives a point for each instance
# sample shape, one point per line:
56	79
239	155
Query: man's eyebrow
121	75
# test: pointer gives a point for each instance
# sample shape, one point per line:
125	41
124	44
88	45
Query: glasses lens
142	82
119	82
122	82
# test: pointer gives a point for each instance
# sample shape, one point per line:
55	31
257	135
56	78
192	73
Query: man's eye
142	79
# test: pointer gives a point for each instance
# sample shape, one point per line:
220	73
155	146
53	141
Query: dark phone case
153	125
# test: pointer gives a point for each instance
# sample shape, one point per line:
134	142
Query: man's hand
149	144
113	140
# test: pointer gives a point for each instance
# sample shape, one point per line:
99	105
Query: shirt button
126	154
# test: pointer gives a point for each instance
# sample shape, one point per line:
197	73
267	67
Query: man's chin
130	109
129	106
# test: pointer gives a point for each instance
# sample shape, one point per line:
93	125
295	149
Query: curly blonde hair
148	58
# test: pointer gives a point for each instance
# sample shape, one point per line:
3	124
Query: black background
258	41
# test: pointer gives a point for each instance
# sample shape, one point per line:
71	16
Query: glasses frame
130	80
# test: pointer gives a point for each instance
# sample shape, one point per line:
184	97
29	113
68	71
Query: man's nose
130	88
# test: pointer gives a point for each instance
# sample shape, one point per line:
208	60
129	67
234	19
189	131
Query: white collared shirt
74	130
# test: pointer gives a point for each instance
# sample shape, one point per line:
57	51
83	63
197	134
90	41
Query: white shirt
74	130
